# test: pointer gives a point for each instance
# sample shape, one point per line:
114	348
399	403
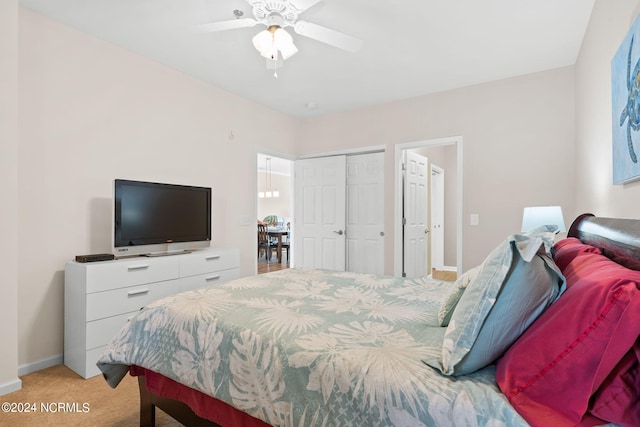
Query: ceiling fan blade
328	36
302	5
227	25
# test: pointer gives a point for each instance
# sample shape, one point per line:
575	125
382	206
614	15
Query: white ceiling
278	166
411	47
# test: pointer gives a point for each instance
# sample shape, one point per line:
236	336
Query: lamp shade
263	42
284	43
534	217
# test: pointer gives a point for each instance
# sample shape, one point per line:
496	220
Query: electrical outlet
474	219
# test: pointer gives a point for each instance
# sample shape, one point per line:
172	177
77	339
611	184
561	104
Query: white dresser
100	297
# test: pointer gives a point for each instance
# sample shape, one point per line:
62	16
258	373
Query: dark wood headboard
618	238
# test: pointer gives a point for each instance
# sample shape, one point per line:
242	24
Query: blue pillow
515	284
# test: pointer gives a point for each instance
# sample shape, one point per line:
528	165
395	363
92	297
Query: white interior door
415	215
365	213
320	205
437	217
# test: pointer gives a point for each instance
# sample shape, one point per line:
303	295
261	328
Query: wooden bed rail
178	410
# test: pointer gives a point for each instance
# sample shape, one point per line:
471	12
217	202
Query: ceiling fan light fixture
284	43
272	40
263	42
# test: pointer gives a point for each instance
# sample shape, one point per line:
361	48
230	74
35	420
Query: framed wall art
625	87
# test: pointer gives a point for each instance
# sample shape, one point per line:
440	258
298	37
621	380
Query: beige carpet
74	401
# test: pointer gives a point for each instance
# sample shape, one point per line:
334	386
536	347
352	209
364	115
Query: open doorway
445	249
274	211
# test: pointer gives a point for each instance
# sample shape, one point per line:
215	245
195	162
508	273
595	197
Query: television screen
148	213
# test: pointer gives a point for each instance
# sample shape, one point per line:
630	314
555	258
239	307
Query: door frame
346	152
397	208
247	221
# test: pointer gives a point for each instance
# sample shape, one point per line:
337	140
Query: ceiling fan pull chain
275	62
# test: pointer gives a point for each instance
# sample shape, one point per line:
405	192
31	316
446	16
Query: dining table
278	233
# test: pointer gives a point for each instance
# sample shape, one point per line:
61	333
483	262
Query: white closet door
416	215
320	195
365	213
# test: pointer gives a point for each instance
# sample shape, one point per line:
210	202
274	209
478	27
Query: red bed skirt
203	405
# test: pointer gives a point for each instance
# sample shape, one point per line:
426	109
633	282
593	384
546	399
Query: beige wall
91	112
518	148
595	192
9	196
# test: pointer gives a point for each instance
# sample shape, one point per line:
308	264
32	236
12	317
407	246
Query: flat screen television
153	218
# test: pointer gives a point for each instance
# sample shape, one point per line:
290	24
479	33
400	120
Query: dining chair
286	244
265	243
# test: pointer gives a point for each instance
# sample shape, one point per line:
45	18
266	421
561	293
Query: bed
541	333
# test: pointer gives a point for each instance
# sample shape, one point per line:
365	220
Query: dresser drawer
100	332
115	274
208	279
201	262
126	300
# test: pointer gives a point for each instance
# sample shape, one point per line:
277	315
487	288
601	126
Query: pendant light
268	193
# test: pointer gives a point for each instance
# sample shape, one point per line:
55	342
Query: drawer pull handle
210	257
138	292
138	267
210	278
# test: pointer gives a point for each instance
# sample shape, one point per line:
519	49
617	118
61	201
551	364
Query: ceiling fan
275	43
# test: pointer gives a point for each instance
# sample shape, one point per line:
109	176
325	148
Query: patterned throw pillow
446	310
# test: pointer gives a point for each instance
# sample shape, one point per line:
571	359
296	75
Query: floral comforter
312	348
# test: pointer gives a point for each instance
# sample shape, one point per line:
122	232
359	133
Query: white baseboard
40	364
10	387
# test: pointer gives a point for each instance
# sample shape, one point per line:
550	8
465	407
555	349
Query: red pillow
551	372
618	399
587	263
567	249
